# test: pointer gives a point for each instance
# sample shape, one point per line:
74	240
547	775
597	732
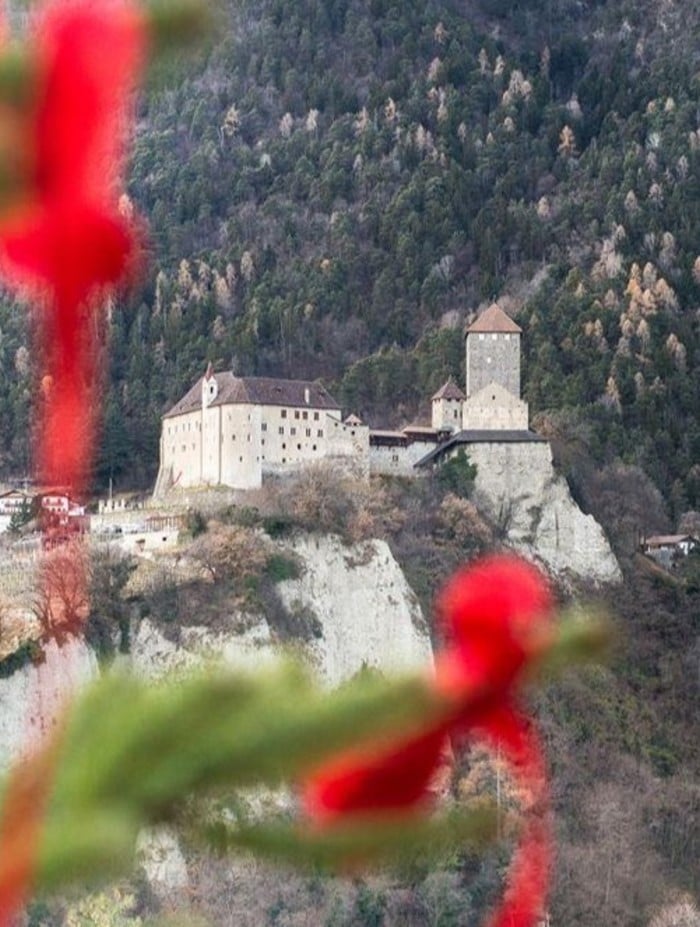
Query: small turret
210	388
447	407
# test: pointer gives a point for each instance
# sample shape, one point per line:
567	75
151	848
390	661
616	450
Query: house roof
352	419
477	436
494	319
422	430
664	540
449	390
264	391
387	438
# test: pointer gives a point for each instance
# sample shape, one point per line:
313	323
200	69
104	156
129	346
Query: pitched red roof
494	320
264	391
449	390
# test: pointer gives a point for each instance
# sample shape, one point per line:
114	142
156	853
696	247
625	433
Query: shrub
280	567
457	475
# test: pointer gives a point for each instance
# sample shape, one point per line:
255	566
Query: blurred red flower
63	237
497	614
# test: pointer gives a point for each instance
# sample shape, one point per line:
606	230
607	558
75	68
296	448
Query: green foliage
195	523
107	629
29	652
279	526
457	475
280	567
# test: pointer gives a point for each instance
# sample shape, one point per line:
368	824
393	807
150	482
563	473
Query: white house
230	431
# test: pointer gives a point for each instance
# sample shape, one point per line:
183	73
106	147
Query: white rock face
33	698
518	486
368	613
158	851
153	655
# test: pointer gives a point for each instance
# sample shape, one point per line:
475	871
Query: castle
235	431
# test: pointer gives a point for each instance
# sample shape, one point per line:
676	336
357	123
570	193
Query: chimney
307	395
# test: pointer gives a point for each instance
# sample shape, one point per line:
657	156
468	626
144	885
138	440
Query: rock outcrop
32	699
362	610
519	488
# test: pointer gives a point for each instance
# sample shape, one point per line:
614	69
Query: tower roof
494	320
449	390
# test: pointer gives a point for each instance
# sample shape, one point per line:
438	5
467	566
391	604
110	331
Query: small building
12	503
447	407
396	453
14	500
668	549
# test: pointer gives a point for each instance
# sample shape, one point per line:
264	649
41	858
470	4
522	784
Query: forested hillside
333	187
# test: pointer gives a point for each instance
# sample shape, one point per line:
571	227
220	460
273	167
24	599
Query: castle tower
493	352
493	400
210	388
447	407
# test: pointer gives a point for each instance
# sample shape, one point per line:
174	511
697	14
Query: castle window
481	337
320	433
296	413
184	447
284	460
394	458
283	413
263	427
292	431
241	459
308	432
262	442
249	437
304	415
313	447
281	429
298	447
315	416
352	433
456	413
233	437
284	447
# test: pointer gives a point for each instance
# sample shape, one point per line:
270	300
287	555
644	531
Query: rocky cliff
518	486
31	700
355	599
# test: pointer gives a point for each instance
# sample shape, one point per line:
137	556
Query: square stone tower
493	352
493	400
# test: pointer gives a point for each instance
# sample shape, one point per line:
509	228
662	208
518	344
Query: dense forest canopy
332	188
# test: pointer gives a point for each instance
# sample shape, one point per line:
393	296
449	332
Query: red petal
66	249
491	609
90	56
527	880
393	779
